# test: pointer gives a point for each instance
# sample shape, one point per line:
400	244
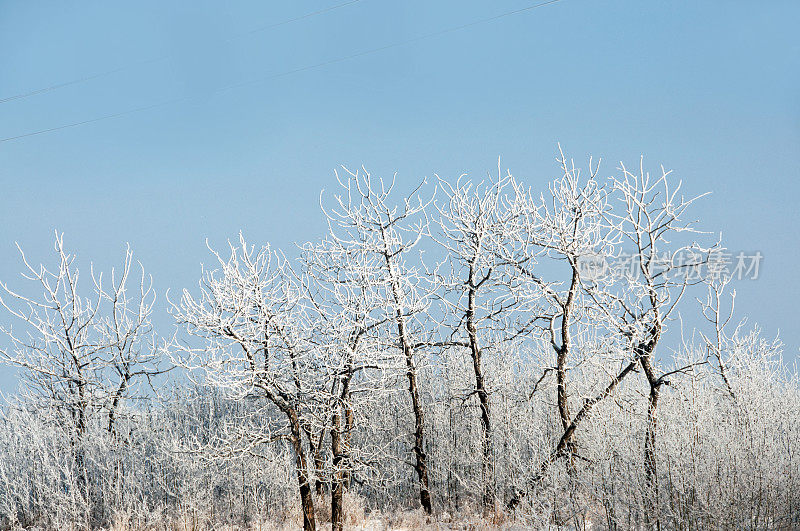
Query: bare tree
343	289
534	357
663	263
481	311
567	230
81	354
719	340
363	217
253	318
568	226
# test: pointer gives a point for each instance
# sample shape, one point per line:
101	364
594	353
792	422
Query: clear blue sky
711	90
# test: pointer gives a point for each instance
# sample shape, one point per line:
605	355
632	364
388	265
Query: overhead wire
143	62
285	73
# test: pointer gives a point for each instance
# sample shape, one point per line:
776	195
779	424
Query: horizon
268	99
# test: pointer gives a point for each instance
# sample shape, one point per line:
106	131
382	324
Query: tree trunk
340	447
420	464
486	426
650	471
337	488
319	485
306	498
80	415
483	396
562	352
349	421
562	355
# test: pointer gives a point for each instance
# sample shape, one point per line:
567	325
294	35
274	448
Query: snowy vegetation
444	356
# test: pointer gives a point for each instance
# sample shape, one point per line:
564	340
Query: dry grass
356	518
194	518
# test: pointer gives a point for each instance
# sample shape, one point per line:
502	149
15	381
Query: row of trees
467	345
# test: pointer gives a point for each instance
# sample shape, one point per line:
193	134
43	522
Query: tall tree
364	216
252	316
342	284
662	261
564	233
81	352
481	313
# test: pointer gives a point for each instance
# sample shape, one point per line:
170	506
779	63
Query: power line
105	73
301	17
92	120
288	72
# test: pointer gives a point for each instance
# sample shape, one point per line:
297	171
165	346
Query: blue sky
710	90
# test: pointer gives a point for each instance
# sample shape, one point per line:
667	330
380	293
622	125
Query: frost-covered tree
483	313
252	317
364	217
344	288
496	355
82	349
659	241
